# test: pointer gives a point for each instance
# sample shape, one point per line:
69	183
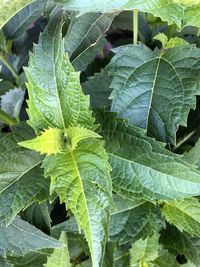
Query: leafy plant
99	133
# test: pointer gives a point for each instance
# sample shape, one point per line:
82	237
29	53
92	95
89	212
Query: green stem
135	27
6	118
9	66
181	142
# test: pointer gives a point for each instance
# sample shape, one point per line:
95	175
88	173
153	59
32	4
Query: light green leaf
9	8
98	87
184	214
12	102
21	178
182	243
145	250
20	238
84	33
55	95
165	9
80	177
191	17
51	141
155	90
80	173
60	256
170	43
142	167
134	220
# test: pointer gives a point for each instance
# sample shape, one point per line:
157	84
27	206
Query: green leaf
170	43
3	263
80	172
184	214
12	102
145	250
50	142
165	9
21	178
121	258
85	32
80	177
155	90
191	17
166	259
9	8
38	215
134	220
193	156
98	87
142	167
20	238
55	95
60	256
18	24
182	244
31	259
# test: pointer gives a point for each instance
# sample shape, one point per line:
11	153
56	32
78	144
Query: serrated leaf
18	24
184	214
49	142
85	32
182	243
145	250
165	9
9	8
80	174
87	169
20	238
134	220
60	256
98	87
142	167
155	90
12	101
55	95
21	178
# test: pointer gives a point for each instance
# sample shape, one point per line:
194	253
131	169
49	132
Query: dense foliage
99	128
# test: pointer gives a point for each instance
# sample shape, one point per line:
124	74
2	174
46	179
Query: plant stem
9	66
6	118
183	140
135	26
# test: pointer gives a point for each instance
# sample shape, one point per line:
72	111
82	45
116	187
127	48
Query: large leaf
134	220
20	238
83	33
55	95
80	171
165	9
80	178
21	178
182	244
142	166
9	8
60	256
184	214
155	89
